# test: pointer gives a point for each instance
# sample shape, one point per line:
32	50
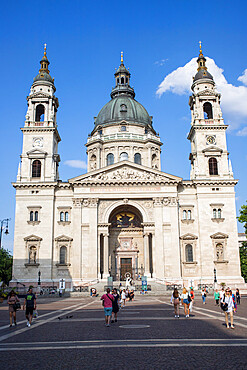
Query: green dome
123	107
43	76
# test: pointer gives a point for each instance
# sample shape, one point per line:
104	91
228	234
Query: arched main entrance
126	247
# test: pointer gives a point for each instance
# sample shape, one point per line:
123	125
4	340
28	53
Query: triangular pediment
32	238
188	236
36	151
125	172
219	236
212	149
63	238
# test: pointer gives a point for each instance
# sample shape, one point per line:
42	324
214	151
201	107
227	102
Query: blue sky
84	41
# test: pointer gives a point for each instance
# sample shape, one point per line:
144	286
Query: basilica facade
125	216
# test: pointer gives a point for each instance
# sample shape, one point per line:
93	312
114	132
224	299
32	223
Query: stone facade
125	216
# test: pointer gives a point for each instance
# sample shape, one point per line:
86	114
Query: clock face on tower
211	140
38	142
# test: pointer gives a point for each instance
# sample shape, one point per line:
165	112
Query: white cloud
242	132
161	62
233	100
243	78
76	163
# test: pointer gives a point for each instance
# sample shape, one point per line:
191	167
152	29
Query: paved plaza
70	334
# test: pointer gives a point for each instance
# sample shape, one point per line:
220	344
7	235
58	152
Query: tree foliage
6	262
243	249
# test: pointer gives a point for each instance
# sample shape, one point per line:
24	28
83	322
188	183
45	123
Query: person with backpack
107	301
227	306
30	305
186	299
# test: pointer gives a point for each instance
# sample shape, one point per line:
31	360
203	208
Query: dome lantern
44	73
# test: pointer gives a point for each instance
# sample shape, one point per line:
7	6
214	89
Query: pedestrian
216	297
238	296
12	302
228	306
123	297
115	305
192	296
204	295
186	299
30	305
107	300
222	292
60	293
175	302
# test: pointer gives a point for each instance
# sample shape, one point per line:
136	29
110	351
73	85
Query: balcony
123	136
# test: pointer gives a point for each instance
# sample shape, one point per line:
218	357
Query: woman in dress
115	305
175	301
227	300
186	302
12	300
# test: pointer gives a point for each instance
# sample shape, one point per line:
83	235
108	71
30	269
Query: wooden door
126	266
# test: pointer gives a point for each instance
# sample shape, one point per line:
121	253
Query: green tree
243	249
243	260
6	262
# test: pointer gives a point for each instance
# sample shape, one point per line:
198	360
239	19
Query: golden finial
121	57
45	49
200	44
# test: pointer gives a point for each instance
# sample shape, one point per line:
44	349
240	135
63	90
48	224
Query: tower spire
44	62
122	63
201	61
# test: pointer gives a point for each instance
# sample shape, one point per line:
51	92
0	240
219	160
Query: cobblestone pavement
70	334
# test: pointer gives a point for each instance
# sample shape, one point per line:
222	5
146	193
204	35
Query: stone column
106	256
146	256
98	257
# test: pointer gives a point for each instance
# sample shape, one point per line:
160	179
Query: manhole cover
134	326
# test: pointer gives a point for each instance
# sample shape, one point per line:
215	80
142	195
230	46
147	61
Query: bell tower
209	155
40	158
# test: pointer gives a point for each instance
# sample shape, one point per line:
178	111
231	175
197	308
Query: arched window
213	166
110	159
124	156
40	113
66	216
63	256
154	161
189	253
117	80
31	216
214	213
207	110
189	215
122	80
61	216
123	128
219	213
138	158
184	215
36	168
93	162
32	254
36	216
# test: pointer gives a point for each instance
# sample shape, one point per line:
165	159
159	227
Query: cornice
221	182
41	129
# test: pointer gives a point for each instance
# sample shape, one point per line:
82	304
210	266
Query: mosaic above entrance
125	220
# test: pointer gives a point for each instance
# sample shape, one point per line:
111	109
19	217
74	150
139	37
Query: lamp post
39	273
6	222
215	278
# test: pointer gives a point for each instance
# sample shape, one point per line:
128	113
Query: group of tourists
113	302
14	304
226	299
